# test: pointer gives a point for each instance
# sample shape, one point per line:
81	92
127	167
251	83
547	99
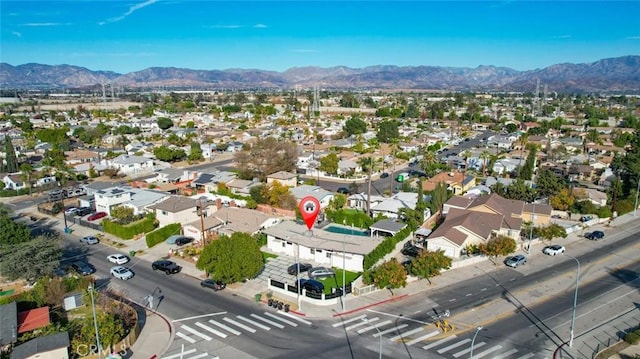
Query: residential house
506	165
131	165
359	200
52	346
177	209
285	178
455	181
323	196
597	198
391	207
243	187
14	182
78	156
208	180
8	323
581	172
174	175
227	220
136	198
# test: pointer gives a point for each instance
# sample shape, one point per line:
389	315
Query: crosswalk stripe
364	330
195	332
492	349
173	356
527	356
277	325
406	334
292	316
211	330
253	322
344	322
185	337
454	345
239	325
353	326
419	339
225	327
441	341
401	326
281	319
504	355
202	355
465	351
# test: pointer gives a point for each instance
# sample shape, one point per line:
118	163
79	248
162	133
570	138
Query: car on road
294	268
320	272
89	240
118	258
410	250
97	216
343	190
181	241
595	235
310	285
516	260
553	250
121	272
83	268
166	266
384	175
213	284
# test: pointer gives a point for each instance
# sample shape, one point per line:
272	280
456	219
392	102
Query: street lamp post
473	341
575	301
200	213
344	283
95	321
533	211
379	337
635	208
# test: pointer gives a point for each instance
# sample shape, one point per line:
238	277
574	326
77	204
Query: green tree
563	200
498	246
26	174
196	152
390	275
232	258
551	231
10	158
354	126
438	197
164	123
548	183
33	259
338	201
519	190
110	329
121	212
388	131
279	196
12	233
167	154
349	100
260	194
429	264
329	163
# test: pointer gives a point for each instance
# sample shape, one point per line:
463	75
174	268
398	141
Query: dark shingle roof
8	323
41	345
204	179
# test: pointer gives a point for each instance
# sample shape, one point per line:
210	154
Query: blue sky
131	35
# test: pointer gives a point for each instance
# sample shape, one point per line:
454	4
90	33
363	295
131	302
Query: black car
310	285
294	268
168	267
384	175
595	235
343	190
414	173
213	284
83	211
181	241
410	250
83	268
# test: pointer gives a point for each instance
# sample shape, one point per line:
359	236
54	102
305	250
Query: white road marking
364	330
268	321
185	337
441	341
490	350
504	355
353	326
401	326
203	355
296	318
406	334
225	327
419	339
454	345
465	351
211	330
527	356
195	332
469	294
239	325
349	320
452	300
281	319
397	316
180	354
198	316
253	322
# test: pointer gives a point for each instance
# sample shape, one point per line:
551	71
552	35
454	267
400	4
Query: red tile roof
33	319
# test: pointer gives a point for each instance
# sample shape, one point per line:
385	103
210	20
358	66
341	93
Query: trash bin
132	253
258	297
286	308
270	302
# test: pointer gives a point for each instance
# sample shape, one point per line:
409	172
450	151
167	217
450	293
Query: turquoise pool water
350	231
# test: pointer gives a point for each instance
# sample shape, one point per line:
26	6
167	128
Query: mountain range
612	75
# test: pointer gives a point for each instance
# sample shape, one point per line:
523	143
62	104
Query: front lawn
266	255
336	282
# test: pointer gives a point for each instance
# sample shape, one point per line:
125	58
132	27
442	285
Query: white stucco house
131	165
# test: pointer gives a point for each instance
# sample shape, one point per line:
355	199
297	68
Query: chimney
218	203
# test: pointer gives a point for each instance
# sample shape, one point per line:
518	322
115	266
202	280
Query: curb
167	321
371	305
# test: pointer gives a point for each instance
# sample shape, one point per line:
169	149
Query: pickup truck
403	176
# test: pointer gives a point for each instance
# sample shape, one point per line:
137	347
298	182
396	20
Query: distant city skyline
129	36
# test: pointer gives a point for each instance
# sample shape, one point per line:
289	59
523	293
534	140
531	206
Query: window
328	254
284	244
164	213
313	251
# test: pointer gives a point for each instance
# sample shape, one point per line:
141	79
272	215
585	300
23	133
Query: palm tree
25	173
523	143
367	164
485	155
467	154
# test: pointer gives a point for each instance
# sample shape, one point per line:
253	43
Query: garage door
448	250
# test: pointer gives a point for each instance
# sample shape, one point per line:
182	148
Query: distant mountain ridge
621	74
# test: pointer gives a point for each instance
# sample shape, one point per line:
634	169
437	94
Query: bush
129	231
384	248
632	338
162	234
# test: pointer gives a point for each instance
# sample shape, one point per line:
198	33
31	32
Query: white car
89	240
118	258
553	250
121	272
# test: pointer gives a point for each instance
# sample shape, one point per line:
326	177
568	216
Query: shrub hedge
162	234
145	225
633	337
384	248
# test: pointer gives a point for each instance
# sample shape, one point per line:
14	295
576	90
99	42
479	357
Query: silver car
121	272
516	260
320	272
89	240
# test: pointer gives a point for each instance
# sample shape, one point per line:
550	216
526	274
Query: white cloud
40	24
132	9
304	51
260	26
16	34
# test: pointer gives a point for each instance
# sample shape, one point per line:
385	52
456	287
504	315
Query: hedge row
384	248
128	231
162	234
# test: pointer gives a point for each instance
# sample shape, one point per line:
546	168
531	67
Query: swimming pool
345	230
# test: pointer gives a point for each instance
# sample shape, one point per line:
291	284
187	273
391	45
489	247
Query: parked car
319	272
83	211
118	258
70	210
89	240
553	250
310	285
516	260
213	284
121	272
168	267
595	235
181	241
384	175
83	268
410	250
585	218
294	268
343	190
97	216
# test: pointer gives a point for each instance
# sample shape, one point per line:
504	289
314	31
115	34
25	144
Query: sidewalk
155	337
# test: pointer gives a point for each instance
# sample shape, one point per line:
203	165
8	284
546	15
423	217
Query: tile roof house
227	220
48	346
454	181
33	319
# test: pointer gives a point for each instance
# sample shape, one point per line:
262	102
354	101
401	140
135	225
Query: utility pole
200	212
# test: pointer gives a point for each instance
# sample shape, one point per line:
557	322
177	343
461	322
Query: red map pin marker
309	208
